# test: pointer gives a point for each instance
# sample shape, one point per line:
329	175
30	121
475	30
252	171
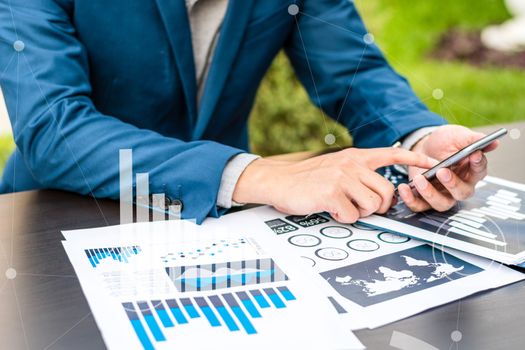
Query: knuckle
376	202
332	190
414	206
426	193
445	206
348	217
453	183
353	216
469	192
371	205
387	191
337	173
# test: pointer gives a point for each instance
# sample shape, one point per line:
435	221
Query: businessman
175	80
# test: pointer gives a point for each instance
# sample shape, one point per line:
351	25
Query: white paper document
375	277
491	224
176	285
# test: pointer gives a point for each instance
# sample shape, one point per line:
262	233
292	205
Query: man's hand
453	184
344	183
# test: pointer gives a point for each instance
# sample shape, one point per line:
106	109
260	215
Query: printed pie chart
304	240
363	227
363	245
336	232
333	254
392	238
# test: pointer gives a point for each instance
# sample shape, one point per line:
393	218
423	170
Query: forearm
257	182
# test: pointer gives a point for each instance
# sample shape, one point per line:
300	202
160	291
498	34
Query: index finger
381	157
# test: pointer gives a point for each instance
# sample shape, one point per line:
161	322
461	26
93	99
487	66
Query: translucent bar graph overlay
118	254
126	185
225	275
158	207
142	197
154	321
174	212
137	206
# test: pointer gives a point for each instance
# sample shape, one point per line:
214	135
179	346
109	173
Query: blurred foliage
6	147
284	120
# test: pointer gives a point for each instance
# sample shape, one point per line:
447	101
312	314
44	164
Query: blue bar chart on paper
230	312
225	275
118	254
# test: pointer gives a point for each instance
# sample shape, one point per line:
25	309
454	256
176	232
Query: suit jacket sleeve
65	142
349	79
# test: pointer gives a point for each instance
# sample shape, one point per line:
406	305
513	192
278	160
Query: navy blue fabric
97	76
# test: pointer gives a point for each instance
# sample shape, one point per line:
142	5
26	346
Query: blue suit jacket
96	76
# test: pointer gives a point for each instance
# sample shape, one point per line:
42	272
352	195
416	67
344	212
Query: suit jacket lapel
175	18
230	38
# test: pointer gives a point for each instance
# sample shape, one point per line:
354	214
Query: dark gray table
43	306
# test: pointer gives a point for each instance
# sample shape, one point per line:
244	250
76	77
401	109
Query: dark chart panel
390	276
494	218
225	275
308	220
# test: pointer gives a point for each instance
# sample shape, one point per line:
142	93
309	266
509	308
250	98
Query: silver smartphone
430	174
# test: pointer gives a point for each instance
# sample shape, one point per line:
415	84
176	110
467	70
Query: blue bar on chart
137	326
274	298
162	313
286	293
259	298
222	312
248	304
225	275
207	311
176	311
151	321
189	307
119	254
239	313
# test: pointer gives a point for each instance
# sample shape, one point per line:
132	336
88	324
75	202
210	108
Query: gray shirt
206	17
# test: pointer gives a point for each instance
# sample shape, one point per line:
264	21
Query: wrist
419	146
257	182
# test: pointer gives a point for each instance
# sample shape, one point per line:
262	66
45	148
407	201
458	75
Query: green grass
284	120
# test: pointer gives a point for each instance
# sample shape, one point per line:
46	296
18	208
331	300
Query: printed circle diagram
363	245
392	238
363	227
336	232
332	254
304	240
309	261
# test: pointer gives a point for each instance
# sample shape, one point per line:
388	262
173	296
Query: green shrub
6	147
